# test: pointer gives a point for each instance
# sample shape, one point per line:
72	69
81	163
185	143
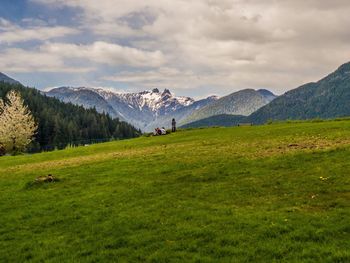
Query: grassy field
274	193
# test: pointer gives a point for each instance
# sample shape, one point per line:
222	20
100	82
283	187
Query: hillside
327	98
243	102
61	124
7	79
223	120
274	193
83	97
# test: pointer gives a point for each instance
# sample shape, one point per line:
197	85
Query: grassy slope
242	194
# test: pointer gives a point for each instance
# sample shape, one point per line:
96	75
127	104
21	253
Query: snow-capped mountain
88	98
159	103
145	110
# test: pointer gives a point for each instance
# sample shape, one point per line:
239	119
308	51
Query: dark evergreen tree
62	124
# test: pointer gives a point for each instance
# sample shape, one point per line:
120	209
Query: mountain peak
265	92
166	92
213	97
155	90
344	69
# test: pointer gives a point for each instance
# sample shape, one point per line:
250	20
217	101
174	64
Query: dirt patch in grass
314	144
270	148
77	161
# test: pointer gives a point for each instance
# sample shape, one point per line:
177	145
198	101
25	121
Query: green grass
274	193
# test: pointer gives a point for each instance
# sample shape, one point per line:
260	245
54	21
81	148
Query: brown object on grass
46	179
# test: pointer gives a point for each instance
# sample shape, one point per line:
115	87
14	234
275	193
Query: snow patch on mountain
142	109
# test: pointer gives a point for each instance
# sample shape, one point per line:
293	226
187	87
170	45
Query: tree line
61	124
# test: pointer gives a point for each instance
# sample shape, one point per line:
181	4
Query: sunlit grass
246	194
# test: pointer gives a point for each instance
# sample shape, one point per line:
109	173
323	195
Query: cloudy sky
193	47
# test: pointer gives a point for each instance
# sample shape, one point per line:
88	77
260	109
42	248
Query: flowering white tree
17	125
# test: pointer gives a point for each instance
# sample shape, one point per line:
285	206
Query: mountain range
326	98
243	102
149	109
145	110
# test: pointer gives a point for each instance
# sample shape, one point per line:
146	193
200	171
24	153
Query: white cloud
61	57
160	77
5	24
11	33
107	53
170	78
20	60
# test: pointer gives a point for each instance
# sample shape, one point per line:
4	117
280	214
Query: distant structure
173	125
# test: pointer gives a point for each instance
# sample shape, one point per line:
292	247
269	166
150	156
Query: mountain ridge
154	108
243	102
145	109
61	124
327	98
7	79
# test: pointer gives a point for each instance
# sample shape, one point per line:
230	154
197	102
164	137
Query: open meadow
271	193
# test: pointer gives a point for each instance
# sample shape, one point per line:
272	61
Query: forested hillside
61	124
243	102
217	120
326	99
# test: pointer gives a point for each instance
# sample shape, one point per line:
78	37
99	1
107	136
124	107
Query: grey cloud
222	43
